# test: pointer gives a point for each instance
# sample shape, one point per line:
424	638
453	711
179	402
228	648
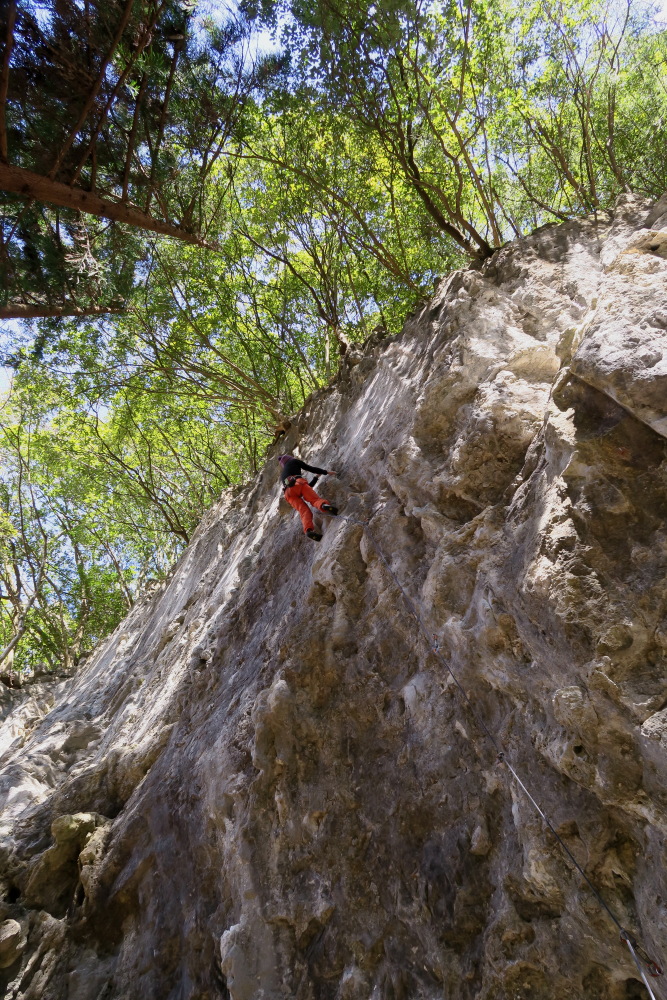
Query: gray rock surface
267	786
12	942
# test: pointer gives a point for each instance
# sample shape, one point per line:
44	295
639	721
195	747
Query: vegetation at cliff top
197	226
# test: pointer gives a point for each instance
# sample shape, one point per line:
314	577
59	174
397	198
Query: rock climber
298	491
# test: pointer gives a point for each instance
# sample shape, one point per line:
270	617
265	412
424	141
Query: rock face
267	785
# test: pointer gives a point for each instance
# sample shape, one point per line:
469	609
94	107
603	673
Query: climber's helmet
284	459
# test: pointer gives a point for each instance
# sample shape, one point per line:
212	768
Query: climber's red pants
297	494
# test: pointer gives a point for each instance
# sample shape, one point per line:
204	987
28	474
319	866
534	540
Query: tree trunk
28	185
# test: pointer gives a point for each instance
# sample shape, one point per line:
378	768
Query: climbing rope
641	958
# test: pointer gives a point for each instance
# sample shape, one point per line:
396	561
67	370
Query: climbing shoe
329	508
315	535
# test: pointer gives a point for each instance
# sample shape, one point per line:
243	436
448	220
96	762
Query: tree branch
4	78
22	182
145	39
163	120
133	135
95	90
22	310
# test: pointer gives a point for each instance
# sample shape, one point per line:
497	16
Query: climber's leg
293	497
309	494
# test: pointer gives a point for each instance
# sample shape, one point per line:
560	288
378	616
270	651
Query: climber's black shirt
295	467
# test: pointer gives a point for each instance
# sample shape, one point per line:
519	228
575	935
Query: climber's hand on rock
330	472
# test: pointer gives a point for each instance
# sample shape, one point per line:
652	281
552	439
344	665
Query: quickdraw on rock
639	955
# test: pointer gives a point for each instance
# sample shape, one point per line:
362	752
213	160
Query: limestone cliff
267	786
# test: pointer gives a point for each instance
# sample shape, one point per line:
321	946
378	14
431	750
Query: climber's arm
320	472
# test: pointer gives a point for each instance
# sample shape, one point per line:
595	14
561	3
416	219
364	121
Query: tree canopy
113	111
252	192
